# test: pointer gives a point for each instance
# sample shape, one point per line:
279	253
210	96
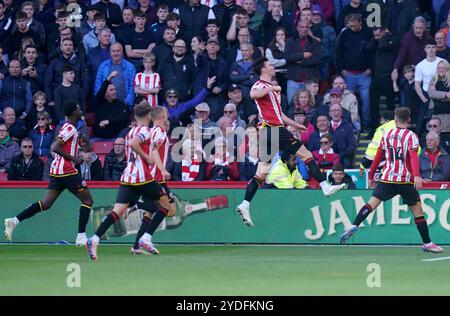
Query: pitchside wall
287	216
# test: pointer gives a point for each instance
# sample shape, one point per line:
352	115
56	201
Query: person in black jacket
33	69
115	161
90	168
338	176
111	11
385	47
111	114
27	166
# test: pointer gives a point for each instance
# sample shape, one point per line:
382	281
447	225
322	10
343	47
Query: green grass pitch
215	270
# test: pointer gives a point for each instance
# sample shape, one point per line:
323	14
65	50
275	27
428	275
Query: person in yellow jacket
387	123
284	174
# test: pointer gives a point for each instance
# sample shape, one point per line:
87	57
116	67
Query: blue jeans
292	87
361	82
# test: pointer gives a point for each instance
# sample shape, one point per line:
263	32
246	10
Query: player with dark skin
58	183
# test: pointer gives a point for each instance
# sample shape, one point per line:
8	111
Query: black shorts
165	190
270	135
74	183
131	193
386	191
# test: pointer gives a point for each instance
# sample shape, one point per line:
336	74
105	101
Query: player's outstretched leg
11	223
360	217
243	209
145	241
136	249
92	243
84	212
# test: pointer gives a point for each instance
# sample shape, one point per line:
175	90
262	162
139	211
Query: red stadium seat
43	158
3	176
102	147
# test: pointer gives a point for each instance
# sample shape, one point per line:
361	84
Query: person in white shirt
425	70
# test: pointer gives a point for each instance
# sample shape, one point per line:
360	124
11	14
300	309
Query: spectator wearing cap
124	81
344	140
384	46
328	40
336	98
325	157
115	161
273	20
27	166
178	71
90	168
434	161
111	11
208	129
356	65
179	112
212	64
111	114
241	72
326	8
246	108
303	56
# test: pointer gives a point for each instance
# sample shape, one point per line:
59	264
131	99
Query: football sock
422	227
83	219
362	214
157	218
252	187
30	211
144	226
106	223
315	171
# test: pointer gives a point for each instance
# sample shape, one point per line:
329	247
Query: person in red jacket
326	158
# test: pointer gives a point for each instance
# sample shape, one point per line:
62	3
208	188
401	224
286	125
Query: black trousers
380	86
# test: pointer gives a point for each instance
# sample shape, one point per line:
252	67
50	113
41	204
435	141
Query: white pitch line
436	259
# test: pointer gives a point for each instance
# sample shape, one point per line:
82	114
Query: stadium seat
102	157
3	176
102	147
44	158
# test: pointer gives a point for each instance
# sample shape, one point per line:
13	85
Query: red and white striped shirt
269	106
147	82
396	145
137	170
60	165
159	139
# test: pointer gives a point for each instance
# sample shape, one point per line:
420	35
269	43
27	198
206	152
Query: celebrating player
160	145
63	175
268	100
136	180
400	175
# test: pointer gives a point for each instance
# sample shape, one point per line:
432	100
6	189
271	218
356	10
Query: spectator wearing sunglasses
42	135
26	166
325	157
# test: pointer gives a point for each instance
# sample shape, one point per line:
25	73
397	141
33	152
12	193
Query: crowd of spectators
336	62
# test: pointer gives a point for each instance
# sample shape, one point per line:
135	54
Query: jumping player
400	175
136	180
160	146
272	129
63	175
